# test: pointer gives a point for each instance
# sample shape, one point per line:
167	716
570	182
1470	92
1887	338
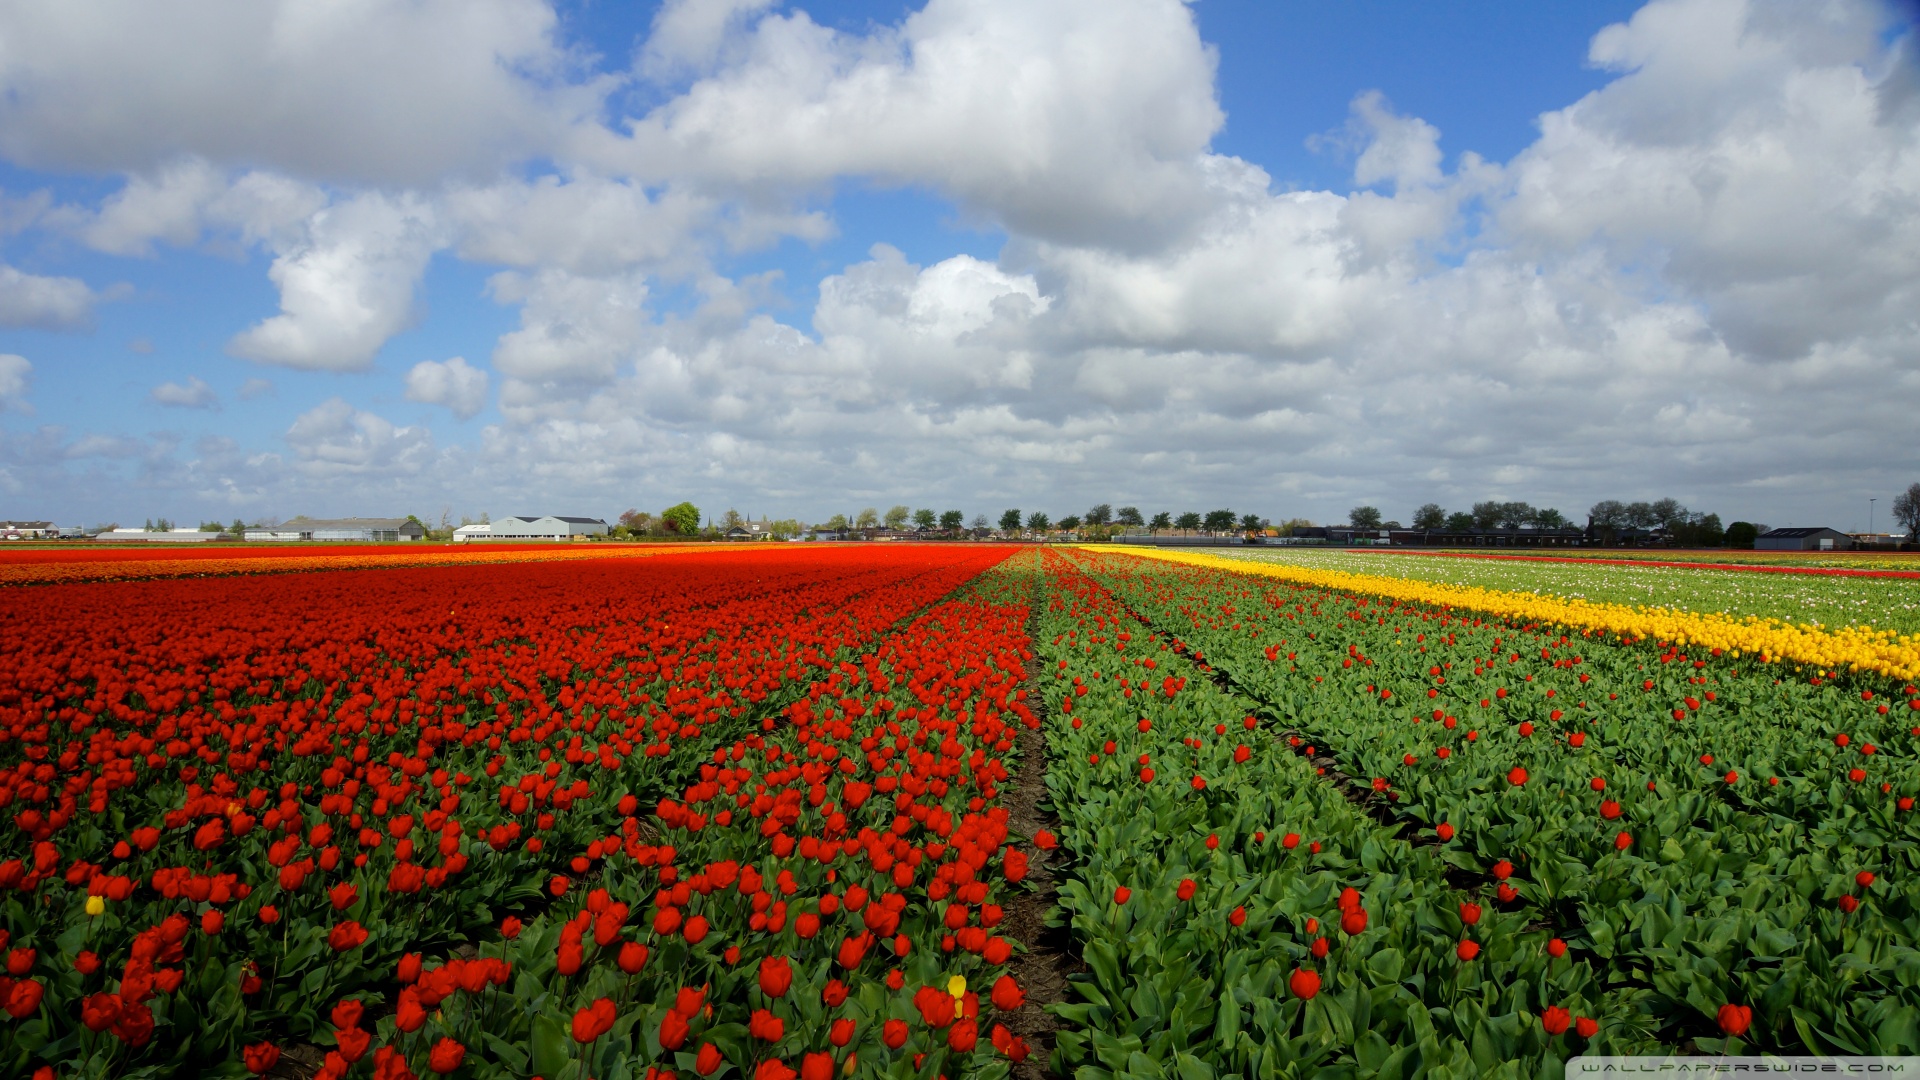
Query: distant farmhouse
532	527
28	530
1813	538
362	530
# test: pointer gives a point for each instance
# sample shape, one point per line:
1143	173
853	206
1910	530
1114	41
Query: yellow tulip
957	986
96	905
1861	648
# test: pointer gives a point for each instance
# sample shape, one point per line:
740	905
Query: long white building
533	527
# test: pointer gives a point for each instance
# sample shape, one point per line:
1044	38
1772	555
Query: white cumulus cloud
43	303
458	385
337	440
346	285
192	394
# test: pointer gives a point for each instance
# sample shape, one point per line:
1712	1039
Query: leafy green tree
1069	523
1188	521
1252	523
1364	517
1100	515
952	520
1219	521
1161	520
1038	522
731	520
925	519
1129	516
980	523
238	528
1430	516
870	518
1742	534
1288	526
897	516
1549	518
1010	521
837	523
681	519
1460	521
784	529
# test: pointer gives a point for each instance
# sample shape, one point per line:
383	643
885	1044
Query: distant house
1803	538
27	530
362	530
465	533
171	536
543	527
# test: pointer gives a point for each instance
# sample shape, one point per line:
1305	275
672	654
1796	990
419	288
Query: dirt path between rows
1049	956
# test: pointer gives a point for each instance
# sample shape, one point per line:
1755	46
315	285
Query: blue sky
1287	257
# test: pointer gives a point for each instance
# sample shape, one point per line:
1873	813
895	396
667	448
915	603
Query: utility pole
1870	503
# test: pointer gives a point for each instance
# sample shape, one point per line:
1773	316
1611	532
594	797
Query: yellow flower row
1883	652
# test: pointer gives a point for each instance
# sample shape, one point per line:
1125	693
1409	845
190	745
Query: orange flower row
83	568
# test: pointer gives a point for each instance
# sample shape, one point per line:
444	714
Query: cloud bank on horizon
1700	279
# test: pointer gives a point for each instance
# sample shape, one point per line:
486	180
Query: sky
261	258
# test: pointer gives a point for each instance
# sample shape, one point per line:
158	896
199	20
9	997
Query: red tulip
1355	921
446	1056
24	999
776	975
261	1057
1555	1020
347	1013
1122	894
708	1060
1007	995
766	1027
1586	1028
1735	1019
1556	948
1516	776
1304	984
894	1034
1864	878
1468	950
816	1066
1444	830
673	1030
597	1019
841	1032
100	1011
1186	889
1469	913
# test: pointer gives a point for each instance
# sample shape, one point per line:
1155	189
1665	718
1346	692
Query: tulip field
757	812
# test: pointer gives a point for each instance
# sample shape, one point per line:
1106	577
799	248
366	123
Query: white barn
362	530
171	536
537	527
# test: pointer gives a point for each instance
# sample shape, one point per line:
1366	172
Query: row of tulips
1858	648
1239	915
1702	831
216	831
821	900
50	566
